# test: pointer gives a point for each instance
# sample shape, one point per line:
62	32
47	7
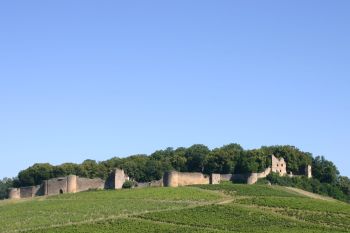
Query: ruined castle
74	184
70	184
279	166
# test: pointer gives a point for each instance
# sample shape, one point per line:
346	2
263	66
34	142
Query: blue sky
96	79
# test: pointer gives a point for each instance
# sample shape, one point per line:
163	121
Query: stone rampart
56	186
14	193
84	184
175	179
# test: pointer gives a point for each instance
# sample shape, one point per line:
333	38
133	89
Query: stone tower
170	179
119	178
72	184
14	193
308	171
278	166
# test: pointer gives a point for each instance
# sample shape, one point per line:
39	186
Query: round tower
14	193
253	178
72	184
170	179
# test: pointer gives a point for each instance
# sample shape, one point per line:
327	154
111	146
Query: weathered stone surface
175	179
119	178
72	184
215	178
84	184
14	193
279	166
308	171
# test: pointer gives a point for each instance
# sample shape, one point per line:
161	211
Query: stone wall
56	186
14	193
155	183
73	184
116	179
84	184
31	191
215	178
176	179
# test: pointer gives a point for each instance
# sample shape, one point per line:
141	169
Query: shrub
311	185
128	184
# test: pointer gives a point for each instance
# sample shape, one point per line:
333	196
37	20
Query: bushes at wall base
129	184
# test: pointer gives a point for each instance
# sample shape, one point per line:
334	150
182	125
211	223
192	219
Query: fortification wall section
31	191
215	178
84	184
14	193
116	179
26	192
175	179
56	186
154	183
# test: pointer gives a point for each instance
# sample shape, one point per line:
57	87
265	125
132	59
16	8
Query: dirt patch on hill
309	194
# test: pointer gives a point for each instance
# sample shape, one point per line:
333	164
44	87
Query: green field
205	208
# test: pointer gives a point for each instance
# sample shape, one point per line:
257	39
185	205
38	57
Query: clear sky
97	79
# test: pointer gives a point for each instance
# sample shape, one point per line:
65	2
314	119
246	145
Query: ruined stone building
73	183
69	184
278	166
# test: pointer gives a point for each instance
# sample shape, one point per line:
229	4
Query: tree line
228	159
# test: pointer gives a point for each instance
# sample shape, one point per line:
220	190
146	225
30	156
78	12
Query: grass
251	190
205	208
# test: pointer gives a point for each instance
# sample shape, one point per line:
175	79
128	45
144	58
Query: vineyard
205	208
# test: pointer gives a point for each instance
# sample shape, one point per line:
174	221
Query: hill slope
207	208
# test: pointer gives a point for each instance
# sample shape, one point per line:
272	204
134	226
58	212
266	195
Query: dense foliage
334	190
230	158
4	185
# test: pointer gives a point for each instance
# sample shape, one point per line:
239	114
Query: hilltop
228	159
204	208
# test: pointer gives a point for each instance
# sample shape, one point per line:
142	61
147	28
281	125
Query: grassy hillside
207	208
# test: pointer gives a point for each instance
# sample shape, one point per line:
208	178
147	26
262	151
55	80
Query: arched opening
61	191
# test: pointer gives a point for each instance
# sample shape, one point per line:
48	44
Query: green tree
223	160
179	161
324	170
296	159
36	174
5	184
196	156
